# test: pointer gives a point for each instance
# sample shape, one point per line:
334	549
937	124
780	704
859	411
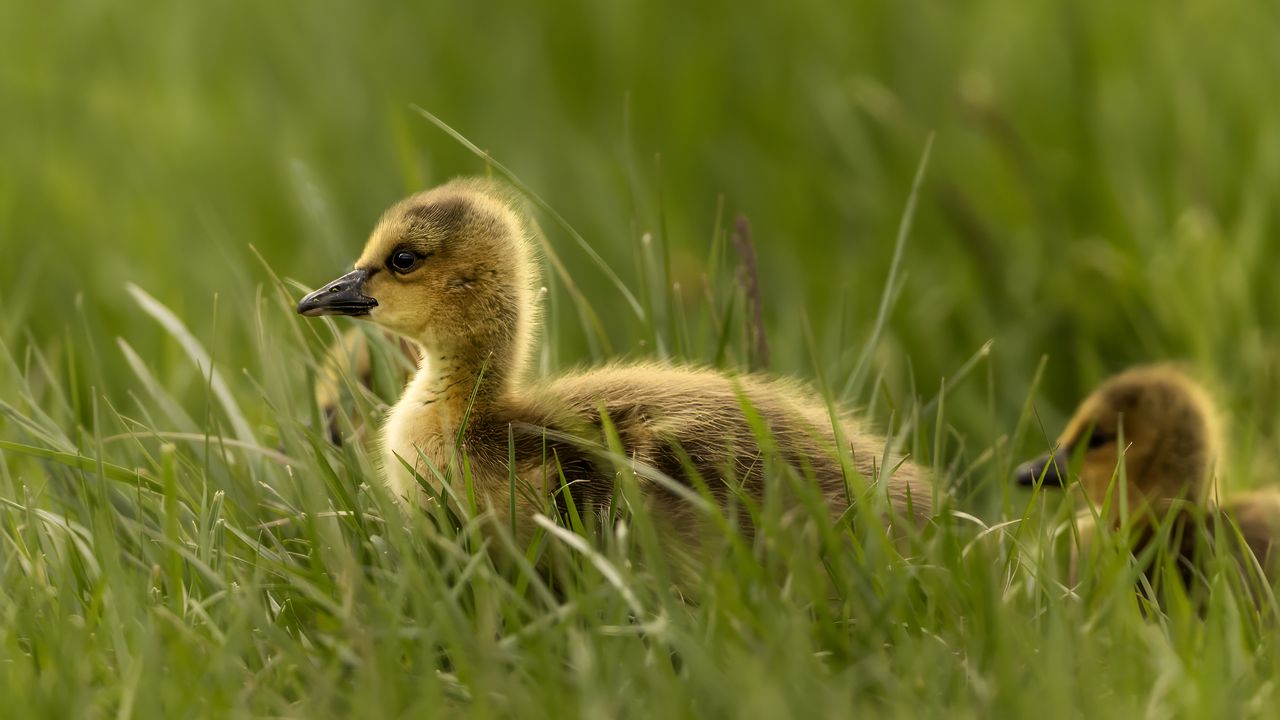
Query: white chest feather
415	436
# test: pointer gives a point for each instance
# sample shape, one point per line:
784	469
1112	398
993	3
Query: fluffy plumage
453	270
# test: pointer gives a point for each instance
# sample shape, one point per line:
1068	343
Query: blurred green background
1103	188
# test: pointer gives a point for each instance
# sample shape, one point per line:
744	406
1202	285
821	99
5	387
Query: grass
180	540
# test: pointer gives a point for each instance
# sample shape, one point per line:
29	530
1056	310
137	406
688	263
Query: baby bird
453	270
1169	430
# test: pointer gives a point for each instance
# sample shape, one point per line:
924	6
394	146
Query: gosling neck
475	363
1170	475
1181	466
455	382
1189	483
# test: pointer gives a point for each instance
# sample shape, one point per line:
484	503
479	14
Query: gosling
1169	428
453	270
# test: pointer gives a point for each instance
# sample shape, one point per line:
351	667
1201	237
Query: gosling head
1166	423
449	268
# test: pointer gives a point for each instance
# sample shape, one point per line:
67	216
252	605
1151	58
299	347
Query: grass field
179	540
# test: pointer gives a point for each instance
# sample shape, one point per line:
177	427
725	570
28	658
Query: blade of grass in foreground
88	464
197	353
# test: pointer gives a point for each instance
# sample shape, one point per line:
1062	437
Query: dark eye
402	261
1099	438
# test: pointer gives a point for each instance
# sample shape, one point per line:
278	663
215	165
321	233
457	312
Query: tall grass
180	539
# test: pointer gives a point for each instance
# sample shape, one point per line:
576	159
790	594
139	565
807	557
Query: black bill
1052	467
344	296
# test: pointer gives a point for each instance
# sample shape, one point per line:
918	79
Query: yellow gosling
454	271
1169	429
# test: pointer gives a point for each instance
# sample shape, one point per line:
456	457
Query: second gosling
454	271
351	359
1169	427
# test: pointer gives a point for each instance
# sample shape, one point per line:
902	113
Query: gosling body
453	270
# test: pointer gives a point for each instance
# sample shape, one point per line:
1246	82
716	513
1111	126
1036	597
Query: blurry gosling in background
453	270
1169	428
351	358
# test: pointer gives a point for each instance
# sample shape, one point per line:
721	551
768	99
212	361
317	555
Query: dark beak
1052	467
344	296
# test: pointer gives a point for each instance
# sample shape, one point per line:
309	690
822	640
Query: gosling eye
1098	438
402	261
